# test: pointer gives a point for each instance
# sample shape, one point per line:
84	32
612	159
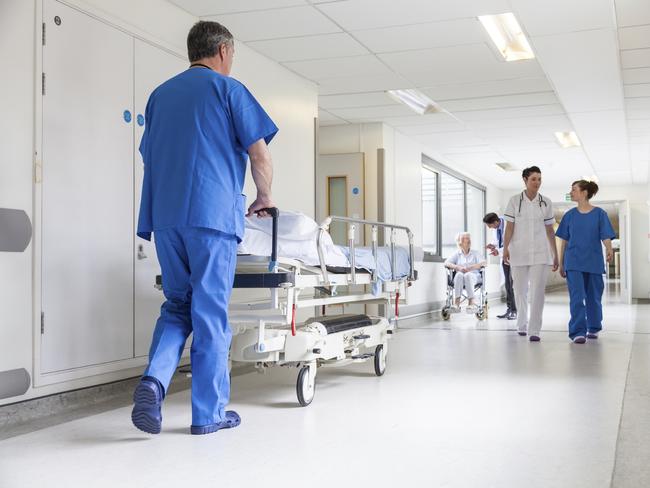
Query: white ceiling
591	74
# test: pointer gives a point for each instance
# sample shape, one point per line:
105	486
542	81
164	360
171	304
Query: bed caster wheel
445	314
380	360
305	386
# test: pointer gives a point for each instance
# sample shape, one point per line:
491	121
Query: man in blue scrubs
201	128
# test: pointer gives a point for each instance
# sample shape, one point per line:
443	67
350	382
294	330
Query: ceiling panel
355	100
420	36
616	177
632	12
310	47
326	118
362	84
377	113
594	128
637	75
634	37
635	58
369	14
641	90
202	8
488	88
457	64
509	113
640	171
413	120
276	24
561	16
415	130
584	81
487	103
322	69
550	122
639	152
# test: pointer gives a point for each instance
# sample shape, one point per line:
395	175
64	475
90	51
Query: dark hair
205	38
589	186
491	218
529	171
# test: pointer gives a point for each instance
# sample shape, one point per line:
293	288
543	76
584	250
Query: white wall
637	195
290	100
403	199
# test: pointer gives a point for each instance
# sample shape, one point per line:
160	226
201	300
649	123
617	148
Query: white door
87	209
340	191
625	242
153	66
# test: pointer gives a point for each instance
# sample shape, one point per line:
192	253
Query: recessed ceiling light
416	101
507	35
567	139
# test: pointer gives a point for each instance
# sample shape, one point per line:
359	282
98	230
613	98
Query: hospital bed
266	332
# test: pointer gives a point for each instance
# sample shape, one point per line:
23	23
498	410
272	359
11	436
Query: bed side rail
352	223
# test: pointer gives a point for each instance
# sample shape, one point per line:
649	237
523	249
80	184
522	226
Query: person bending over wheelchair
466	264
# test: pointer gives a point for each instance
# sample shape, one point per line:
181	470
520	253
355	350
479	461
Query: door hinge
43	36
42	323
43	83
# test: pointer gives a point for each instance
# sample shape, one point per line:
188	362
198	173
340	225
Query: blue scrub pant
585	294
198	267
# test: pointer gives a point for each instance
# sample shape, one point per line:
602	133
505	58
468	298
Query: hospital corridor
323	243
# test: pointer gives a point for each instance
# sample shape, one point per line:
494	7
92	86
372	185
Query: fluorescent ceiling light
416	101
507	167
567	139
506	34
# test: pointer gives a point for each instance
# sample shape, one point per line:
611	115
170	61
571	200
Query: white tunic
529	244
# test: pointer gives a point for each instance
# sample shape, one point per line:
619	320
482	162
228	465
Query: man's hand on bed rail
260	206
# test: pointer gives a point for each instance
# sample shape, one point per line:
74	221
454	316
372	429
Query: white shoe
454	309
470	309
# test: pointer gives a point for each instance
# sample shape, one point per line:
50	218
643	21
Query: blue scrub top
199	126
584	233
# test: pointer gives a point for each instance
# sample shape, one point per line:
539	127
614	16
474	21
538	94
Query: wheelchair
480	296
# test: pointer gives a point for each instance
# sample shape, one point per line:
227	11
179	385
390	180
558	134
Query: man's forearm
261	167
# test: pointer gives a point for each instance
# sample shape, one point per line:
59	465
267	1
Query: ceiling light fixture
507	35
416	101
567	139
507	167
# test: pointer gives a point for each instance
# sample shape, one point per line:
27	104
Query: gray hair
460	235
205	38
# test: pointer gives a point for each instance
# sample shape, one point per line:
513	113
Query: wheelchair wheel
445	313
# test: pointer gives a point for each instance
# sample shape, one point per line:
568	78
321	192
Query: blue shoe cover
232	420
147	400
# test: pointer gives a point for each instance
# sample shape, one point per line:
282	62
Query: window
451	203
429	211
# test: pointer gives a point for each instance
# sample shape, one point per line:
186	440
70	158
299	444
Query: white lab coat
530	256
529	244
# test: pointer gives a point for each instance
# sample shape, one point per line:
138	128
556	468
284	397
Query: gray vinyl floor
461	405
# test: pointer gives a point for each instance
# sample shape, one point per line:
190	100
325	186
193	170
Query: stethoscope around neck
540	201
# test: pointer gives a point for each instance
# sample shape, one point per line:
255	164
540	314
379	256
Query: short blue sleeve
605	227
250	121
563	230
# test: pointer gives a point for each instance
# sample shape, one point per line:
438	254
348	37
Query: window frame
436	167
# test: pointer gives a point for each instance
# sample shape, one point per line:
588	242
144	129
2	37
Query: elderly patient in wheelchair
465	266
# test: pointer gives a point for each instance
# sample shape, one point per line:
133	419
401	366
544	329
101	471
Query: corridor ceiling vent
416	101
507	35
567	139
507	167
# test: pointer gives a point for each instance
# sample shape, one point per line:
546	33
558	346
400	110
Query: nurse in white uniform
529	247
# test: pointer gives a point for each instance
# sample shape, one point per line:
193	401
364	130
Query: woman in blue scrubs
582	230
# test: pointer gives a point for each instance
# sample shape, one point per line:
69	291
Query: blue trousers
198	267
585	295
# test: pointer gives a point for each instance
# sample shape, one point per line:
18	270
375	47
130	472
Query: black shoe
512	316
504	315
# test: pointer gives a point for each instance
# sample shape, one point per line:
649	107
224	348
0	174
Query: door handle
141	254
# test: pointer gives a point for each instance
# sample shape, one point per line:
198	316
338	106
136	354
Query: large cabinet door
153	66
87	192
